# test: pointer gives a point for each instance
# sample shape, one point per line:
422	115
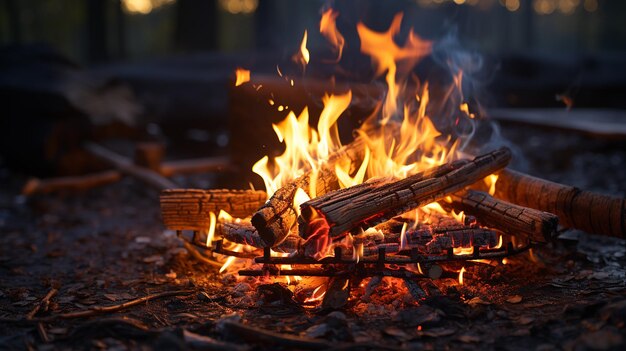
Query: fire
303	56
211	232
317	294
490	181
328	28
463	250
385	53
242	76
461	276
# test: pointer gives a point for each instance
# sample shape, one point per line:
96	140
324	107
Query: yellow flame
499	243
403	241
461	275
242	76
328	28
460	217
303	55
299	198
224	216
463	250
211	232
230	259
490	181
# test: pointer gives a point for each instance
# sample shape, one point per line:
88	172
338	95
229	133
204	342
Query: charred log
528	223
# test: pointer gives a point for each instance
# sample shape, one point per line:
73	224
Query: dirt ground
108	246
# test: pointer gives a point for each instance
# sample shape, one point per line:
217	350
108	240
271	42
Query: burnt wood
367	204
537	226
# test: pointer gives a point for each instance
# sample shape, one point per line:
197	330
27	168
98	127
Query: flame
304	146
299	198
461	276
384	53
490	181
302	57
317	294
328	28
460	217
463	250
499	243
403	240
243	76
230	259
211	232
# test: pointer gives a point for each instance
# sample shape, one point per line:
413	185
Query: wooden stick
188	209
114	308
537	226
196	165
42	304
366	205
75	183
585	210
126	166
275	219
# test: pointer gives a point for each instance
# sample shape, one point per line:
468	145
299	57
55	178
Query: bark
535	225
576	208
365	205
188	209
245	233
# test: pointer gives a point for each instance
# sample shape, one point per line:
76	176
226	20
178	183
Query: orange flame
490	181
328	28
302	57
384	52
242	75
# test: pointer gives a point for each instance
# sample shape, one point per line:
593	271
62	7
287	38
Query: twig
98	309
44	302
108	309
200	257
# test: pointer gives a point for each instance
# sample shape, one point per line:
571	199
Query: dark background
73	70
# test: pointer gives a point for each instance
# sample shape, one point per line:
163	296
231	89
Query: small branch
76	183
43	304
114	308
266	337
126	166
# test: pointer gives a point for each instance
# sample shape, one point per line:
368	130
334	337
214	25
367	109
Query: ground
107	246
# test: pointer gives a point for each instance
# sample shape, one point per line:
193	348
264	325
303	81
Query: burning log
188	209
576	208
368	204
275	218
538	226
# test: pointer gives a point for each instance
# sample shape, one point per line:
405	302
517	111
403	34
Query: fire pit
401	200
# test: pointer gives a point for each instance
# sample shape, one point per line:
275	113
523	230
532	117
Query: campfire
407	198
